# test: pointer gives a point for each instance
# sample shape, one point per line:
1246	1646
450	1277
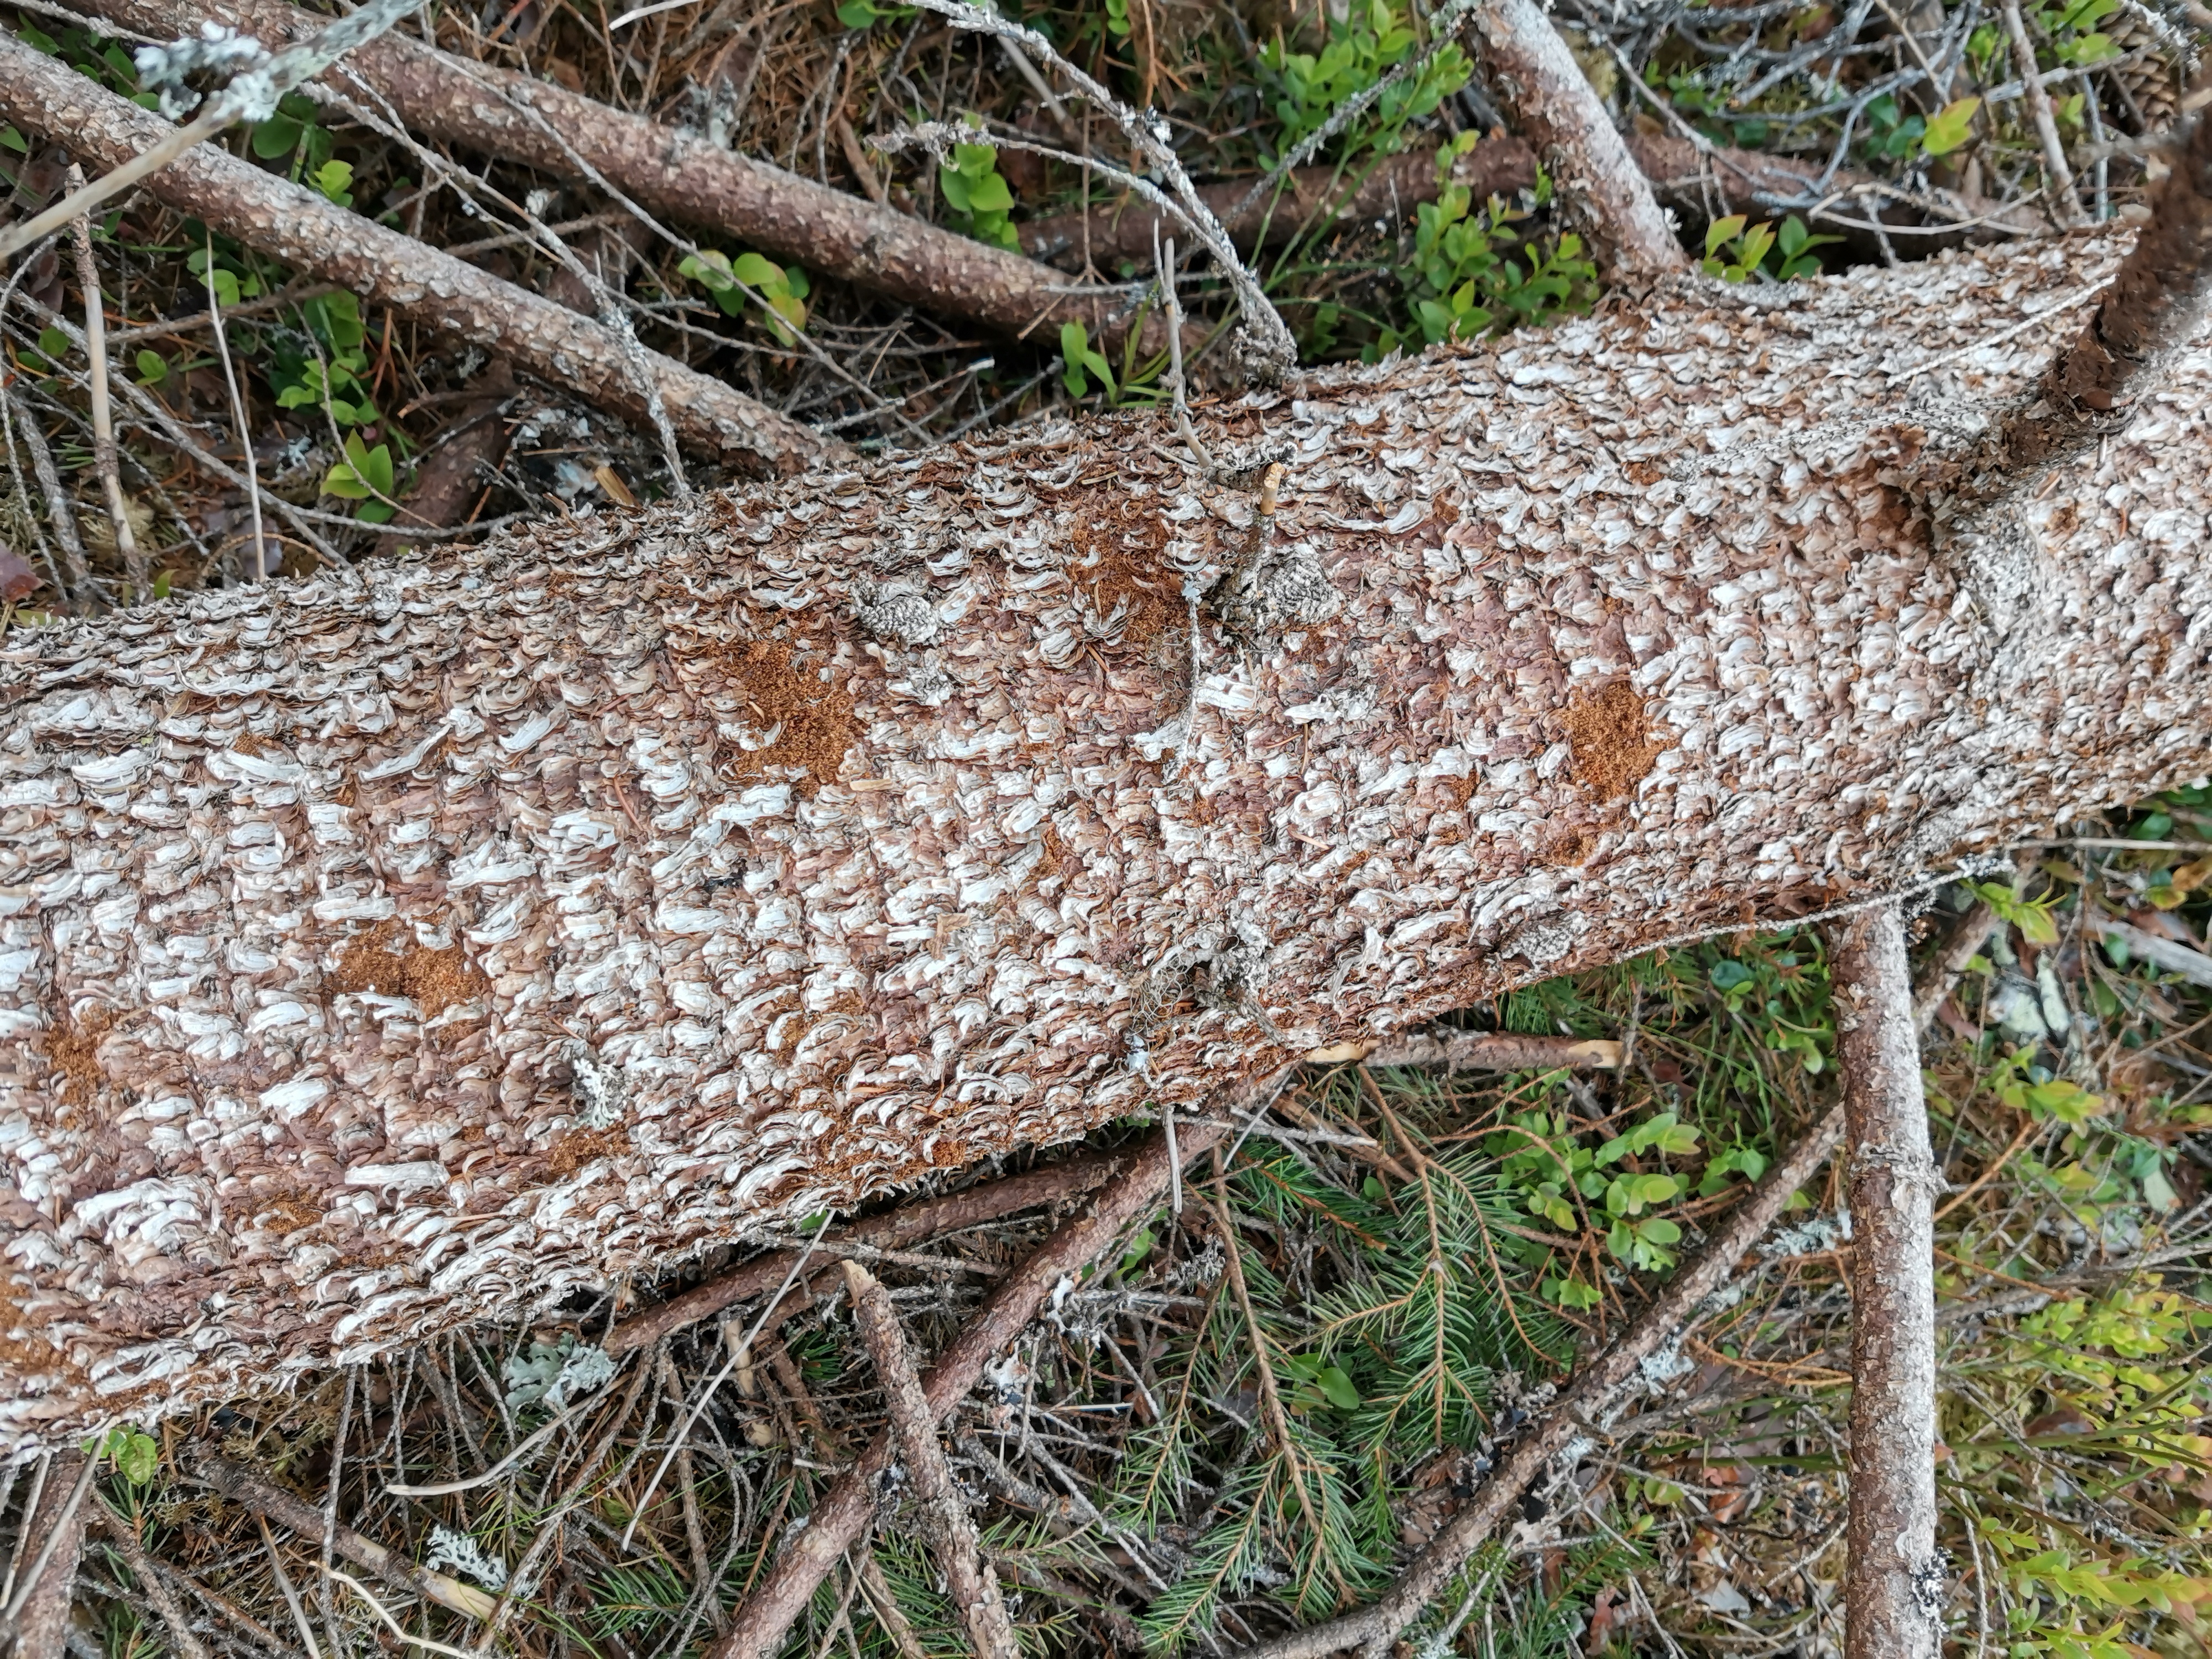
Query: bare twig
60	509
286	1588
240	1485
969	1578
251	95
2065	205
1893	1581
103	417
125	1542
759	1627
911	1224
241	425
542	125
37	1613
1556	109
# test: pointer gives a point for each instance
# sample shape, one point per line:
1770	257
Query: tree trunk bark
1893	1586
421	944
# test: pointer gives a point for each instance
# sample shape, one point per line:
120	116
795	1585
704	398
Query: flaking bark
381	952
1893	1584
297	226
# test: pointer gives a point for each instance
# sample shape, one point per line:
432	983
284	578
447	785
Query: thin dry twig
970	1582
103	417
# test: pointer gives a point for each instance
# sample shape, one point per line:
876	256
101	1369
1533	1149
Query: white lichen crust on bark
1894	1583
380	952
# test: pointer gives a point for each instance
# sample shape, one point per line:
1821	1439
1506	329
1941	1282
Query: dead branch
950	1530
1480	1051
36	1618
911	1224
1893	1584
298	227
2156	303
1698	185
1960	946
2058	187
103	418
1552	105
841	1517
124	1542
1583	1408
539	125
241	1485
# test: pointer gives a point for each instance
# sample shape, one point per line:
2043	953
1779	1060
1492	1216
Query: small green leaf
1337	1387
140	1457
278	135
1721	231
153	367
1948	129
333	178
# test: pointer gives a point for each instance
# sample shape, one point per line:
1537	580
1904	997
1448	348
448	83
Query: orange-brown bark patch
581	1147
388	960
813	722
73	1046
1611	739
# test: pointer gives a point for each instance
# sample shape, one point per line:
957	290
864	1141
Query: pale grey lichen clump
381	953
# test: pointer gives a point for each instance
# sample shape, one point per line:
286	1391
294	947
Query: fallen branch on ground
1551	104
1479	1051
1697	185
124	1542
49	1542
681	175
1893	1579
757	1630
298	227
969	1581
240	1485
911	1224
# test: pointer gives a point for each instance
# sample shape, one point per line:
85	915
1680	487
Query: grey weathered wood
1634	627
1893	1581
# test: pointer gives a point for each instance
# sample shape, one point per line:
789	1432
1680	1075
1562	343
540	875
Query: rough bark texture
397	949
1543	92
969	1580
835	1524
1699	186
1894	1585
676	174
2156	303
297	226
1583	1407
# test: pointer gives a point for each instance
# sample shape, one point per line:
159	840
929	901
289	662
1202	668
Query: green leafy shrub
982	202
782	289
1364	44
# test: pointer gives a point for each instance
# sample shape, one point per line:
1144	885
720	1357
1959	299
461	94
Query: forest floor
1181	1457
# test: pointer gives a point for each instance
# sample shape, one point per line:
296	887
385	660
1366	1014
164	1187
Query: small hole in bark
816	719
73	1045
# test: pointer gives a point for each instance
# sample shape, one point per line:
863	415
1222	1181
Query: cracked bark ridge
322	901
946	1523
1542	89
1893	1584
678	175
296	226
2158	300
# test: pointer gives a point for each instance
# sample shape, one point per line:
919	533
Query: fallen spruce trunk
382	952
676	174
